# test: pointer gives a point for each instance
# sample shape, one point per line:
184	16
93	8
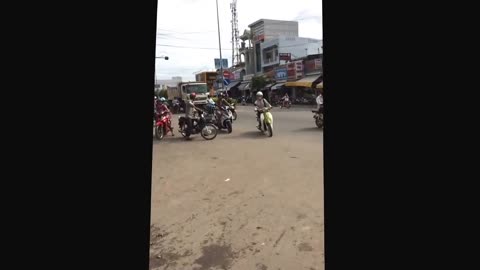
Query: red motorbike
162	125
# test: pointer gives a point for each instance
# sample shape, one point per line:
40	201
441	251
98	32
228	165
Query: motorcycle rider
221	101
285	99
162	108
190	108
261	104
210	100
319	101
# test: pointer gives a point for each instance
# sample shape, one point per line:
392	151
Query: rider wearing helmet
260	104
161	106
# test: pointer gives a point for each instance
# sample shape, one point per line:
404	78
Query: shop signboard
281	74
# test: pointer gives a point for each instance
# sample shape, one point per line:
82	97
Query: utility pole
220	46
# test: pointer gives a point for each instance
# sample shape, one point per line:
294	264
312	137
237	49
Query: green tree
258	83
163	93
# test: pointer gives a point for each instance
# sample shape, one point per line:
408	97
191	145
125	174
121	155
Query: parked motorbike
266	121
285	104
162	125
207	130
318	116
225	120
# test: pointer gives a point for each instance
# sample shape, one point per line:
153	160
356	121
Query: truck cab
199	88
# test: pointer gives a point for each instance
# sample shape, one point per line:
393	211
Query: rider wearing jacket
260	104
190	114
221	101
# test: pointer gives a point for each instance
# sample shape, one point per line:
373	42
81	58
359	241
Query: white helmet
259	94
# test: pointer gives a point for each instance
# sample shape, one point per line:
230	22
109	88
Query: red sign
226	74
285	56
295	70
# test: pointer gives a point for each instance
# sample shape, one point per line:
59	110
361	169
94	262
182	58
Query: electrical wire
186	47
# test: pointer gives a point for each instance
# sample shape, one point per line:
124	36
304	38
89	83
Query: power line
184	33
185	47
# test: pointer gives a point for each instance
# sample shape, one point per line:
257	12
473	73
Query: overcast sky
189	29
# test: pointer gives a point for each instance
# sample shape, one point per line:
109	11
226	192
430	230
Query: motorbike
231	108
207	130
266	121
244	101
225	120
318	116
176	108
282	104
162	125
285	104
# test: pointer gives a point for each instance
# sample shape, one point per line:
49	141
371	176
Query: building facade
265	30
294	47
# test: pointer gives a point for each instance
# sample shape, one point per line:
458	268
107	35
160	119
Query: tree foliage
258	83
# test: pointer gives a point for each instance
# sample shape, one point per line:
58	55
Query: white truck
184	89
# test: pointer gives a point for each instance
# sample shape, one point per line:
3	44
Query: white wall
293	45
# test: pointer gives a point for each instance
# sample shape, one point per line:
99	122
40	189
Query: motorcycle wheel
270	130
159	134
228	124
234	114
319	121
182	129
209	132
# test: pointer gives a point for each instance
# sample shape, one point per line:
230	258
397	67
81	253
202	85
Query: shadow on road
255	134
309	129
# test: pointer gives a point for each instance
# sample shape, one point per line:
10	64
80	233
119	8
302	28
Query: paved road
242	201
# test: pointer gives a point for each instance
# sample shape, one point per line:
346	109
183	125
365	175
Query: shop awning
232	85
277	86
244	86
304	82
319	86
268	86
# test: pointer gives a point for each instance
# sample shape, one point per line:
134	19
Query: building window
269	57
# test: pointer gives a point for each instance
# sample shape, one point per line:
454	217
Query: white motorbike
226	119
266	121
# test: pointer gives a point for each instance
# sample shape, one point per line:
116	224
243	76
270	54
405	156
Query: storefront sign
285	56
295	70
281	74
313	66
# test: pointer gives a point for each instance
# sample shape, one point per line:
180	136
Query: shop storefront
306	91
